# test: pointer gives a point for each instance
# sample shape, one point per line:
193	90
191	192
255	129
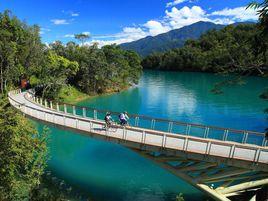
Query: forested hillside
172	39
87	68
23	150
235	49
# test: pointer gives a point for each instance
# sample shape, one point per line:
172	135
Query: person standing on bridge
123	118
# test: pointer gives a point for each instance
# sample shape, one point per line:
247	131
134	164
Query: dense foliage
100	69
23	151
88	68
23	155
170	40
20	50
233	49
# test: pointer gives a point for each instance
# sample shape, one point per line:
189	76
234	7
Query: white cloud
174	3
237	14
71	13
59	21
44	30
128	34
177	18
86	32
69	36
156	27
225	21
74	14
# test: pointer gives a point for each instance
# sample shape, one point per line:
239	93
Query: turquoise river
108	172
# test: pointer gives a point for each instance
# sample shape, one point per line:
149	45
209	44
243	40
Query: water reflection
106	171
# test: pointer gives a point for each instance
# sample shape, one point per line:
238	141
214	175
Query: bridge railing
158	124
244	153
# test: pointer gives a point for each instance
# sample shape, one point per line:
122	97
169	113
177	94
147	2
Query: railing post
245	137
152	124
74	110
225	135
41	101
45	103
208	148
206	132
164	139
84	112
95	114
170	126
90	126
264	141
76	123
58	107
65	108
51	105
136	121
188	128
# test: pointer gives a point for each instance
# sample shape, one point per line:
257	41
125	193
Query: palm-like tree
262	10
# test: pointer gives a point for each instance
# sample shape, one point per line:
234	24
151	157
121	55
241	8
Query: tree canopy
100	69
23	155
234	49
20	49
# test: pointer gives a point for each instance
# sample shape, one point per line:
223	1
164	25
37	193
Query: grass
70	94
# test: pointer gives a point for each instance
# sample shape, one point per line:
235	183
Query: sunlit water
106	171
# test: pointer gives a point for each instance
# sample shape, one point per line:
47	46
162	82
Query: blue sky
119	21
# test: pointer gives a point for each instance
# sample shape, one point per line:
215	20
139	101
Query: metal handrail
160	133
212	132
162	120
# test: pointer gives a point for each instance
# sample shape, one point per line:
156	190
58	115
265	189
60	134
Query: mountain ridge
172	39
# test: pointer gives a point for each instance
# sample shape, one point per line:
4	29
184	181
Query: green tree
54	74
82	37
23	155
262	10
105	69
21	51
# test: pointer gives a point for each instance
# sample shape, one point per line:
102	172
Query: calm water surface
106	171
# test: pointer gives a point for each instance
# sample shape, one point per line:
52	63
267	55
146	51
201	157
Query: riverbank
72	95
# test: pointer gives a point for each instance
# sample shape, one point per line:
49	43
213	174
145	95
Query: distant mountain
172	39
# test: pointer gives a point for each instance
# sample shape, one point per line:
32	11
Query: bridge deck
139	137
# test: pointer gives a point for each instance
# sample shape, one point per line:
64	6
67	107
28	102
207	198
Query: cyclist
123	118
108	120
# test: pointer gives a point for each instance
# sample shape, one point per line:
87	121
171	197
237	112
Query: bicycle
110	127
